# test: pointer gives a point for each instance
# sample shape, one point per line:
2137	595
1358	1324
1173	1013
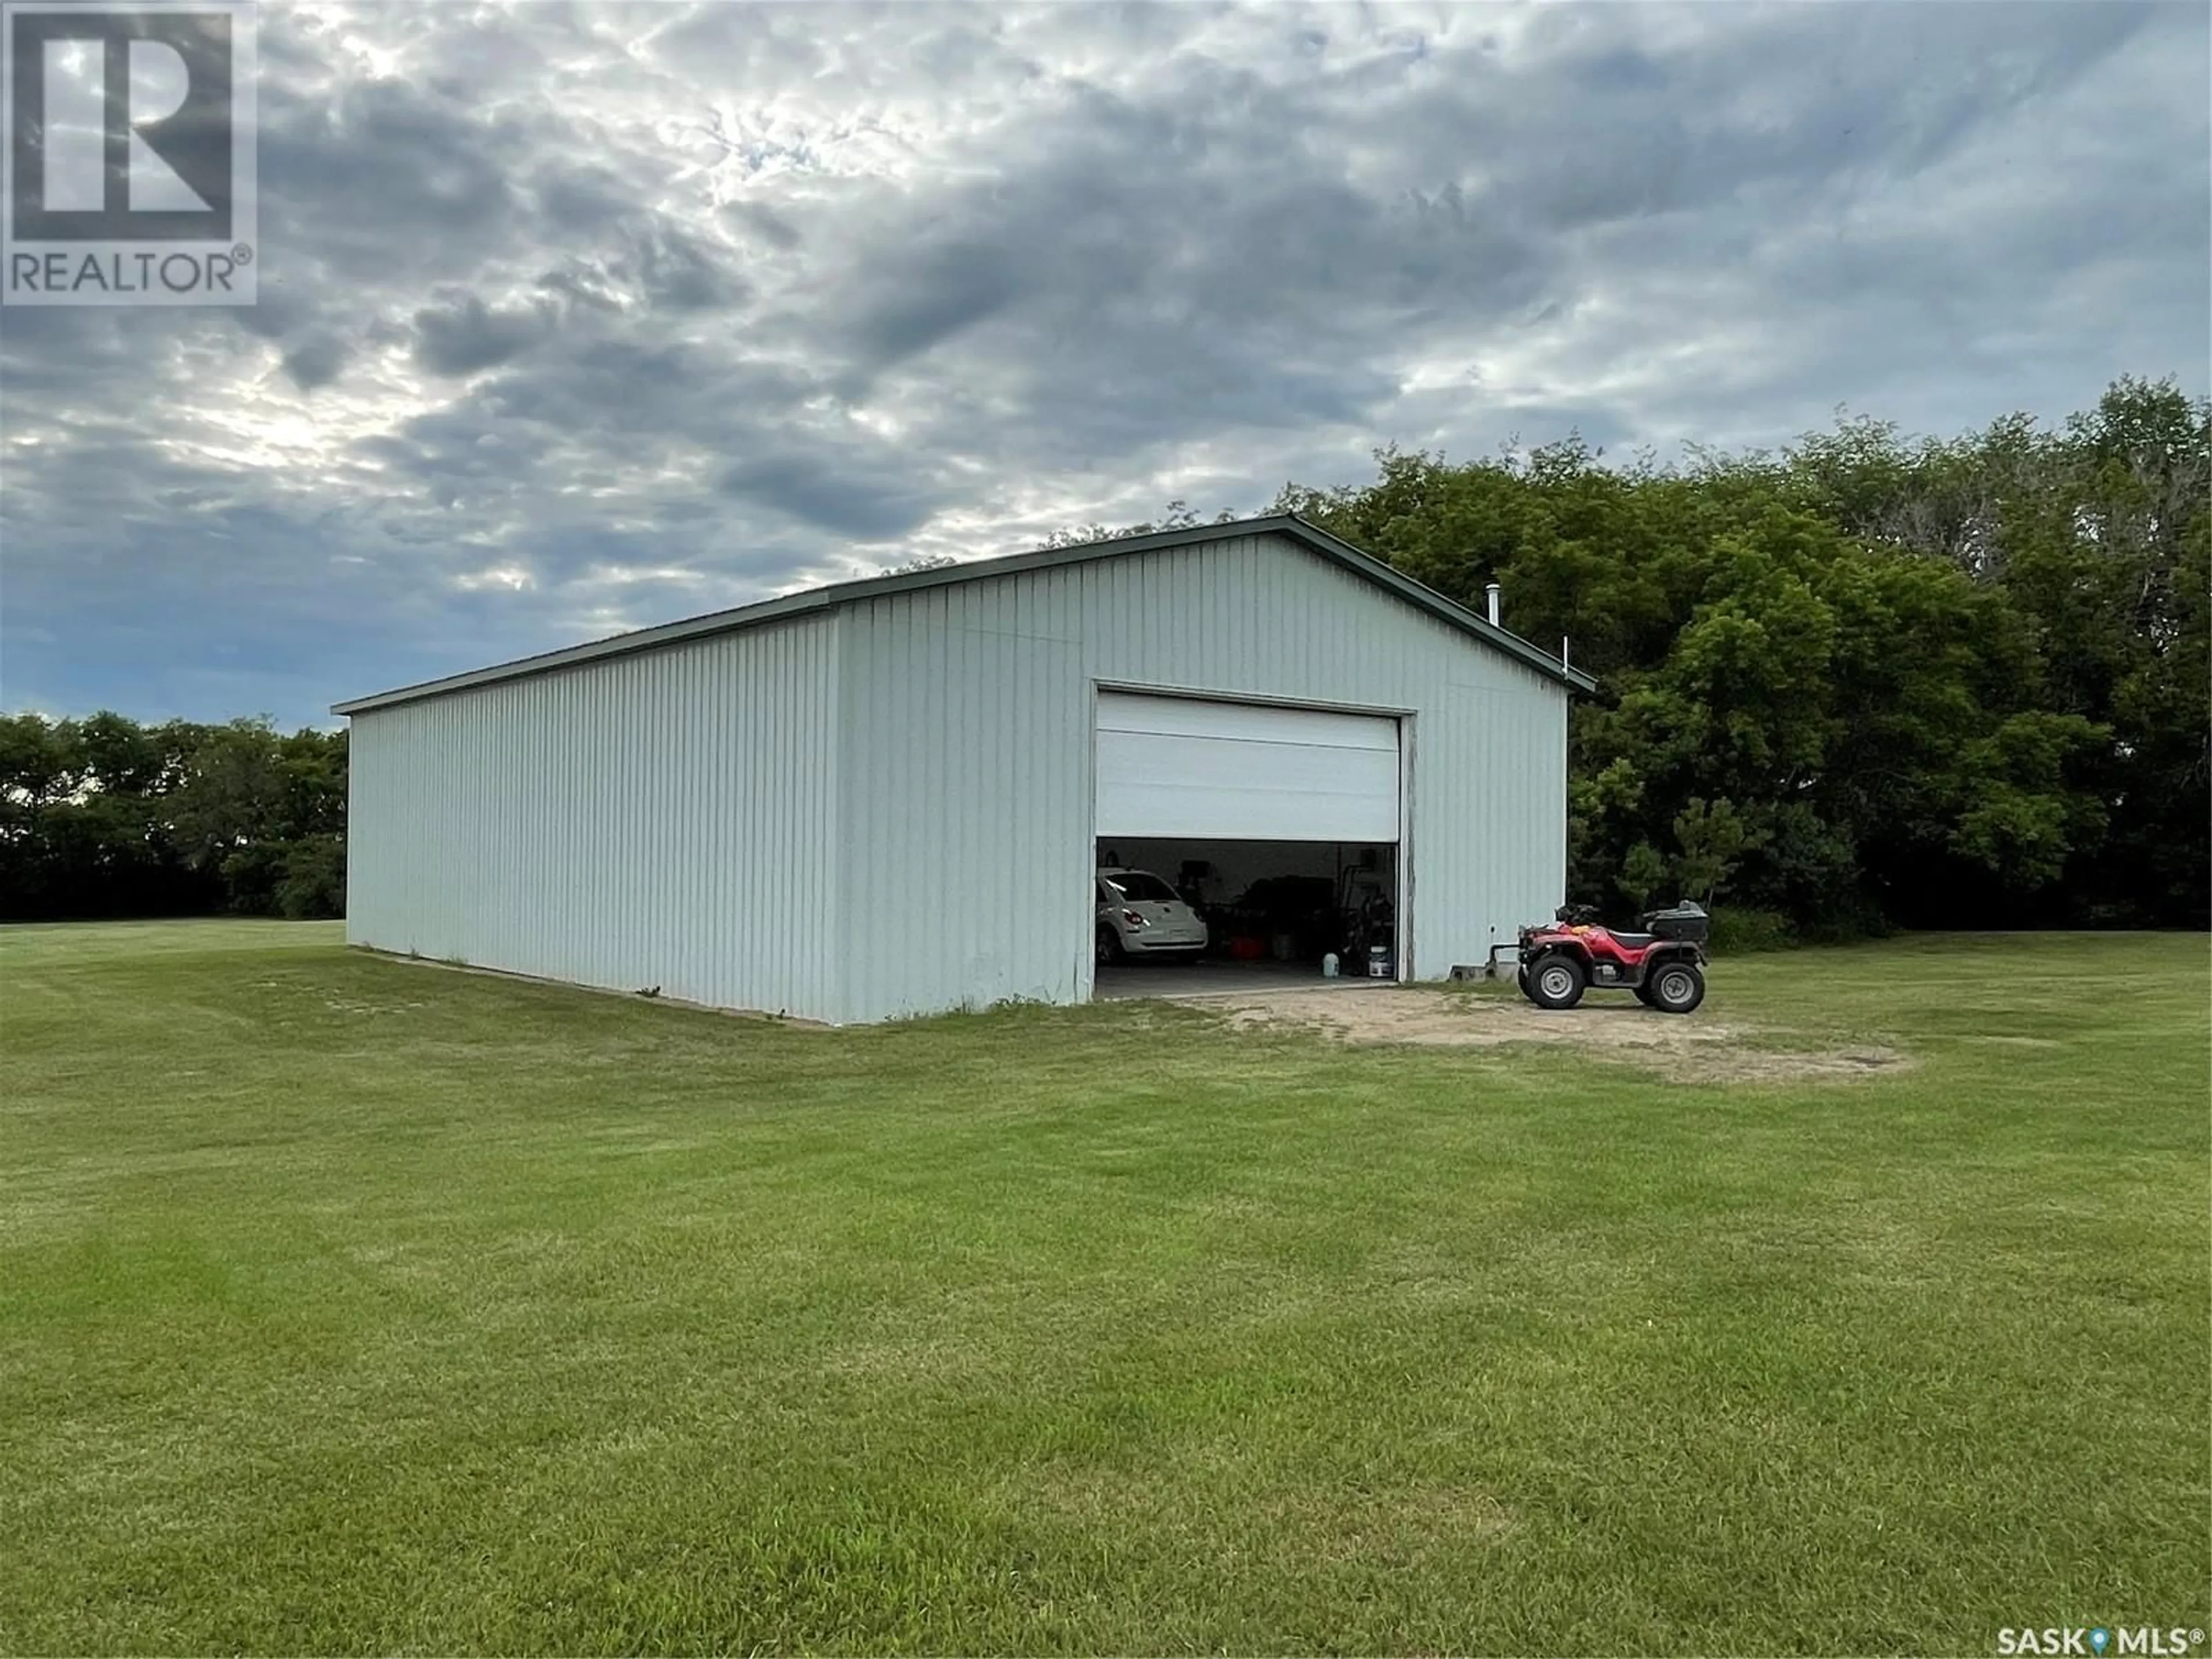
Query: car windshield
1137	888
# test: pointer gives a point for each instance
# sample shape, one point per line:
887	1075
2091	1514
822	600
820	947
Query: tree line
1860	682
1864	682
105	817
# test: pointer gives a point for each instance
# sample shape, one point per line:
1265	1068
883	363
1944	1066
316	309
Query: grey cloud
316	359
383	167
682	273
586	282
620	389
1242	291
585	199
765	222
467	336
1205	290
752	46
281	307
934	293
857	498
650	261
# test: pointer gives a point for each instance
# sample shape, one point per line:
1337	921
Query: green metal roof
1287	525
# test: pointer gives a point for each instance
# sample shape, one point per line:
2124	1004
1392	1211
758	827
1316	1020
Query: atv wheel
1677	988
1557	981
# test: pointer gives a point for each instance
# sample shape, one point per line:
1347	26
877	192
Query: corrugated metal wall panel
661	819
967	768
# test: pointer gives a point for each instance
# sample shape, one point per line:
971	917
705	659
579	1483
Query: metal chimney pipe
1491	590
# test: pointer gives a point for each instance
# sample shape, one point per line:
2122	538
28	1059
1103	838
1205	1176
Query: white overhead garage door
1239	771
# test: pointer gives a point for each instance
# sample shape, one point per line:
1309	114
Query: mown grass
351	1304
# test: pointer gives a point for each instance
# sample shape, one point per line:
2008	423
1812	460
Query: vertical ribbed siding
663	819
966	840
958	844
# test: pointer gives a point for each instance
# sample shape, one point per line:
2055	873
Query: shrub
313	881
1739	933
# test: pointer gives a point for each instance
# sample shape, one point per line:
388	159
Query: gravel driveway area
1693	1047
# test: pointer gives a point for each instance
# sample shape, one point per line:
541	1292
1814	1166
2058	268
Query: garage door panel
1241	722
1184	768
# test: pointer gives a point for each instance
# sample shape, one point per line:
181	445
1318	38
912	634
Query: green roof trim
1287	525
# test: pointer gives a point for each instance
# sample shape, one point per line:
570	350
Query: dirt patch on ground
1692	1049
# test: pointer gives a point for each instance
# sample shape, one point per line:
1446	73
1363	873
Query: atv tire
1674	988
1557	981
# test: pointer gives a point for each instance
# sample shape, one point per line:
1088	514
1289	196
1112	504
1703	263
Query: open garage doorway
1239	843
1268	912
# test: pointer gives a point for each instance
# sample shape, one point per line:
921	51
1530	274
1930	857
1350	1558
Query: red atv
1664	966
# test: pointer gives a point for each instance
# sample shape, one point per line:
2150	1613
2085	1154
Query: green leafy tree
1936	682
1714	838
105	817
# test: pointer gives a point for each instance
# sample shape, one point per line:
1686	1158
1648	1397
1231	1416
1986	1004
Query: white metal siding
1200	770
660	819
887	807
968	710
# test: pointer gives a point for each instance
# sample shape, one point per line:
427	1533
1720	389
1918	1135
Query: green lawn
350	1304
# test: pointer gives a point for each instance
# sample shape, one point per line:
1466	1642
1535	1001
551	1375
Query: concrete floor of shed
1215	976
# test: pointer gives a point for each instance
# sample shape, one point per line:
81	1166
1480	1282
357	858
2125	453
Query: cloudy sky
574	320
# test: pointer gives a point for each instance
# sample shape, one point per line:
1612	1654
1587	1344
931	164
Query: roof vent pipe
1492	592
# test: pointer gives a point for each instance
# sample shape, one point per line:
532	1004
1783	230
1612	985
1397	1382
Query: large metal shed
887	797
